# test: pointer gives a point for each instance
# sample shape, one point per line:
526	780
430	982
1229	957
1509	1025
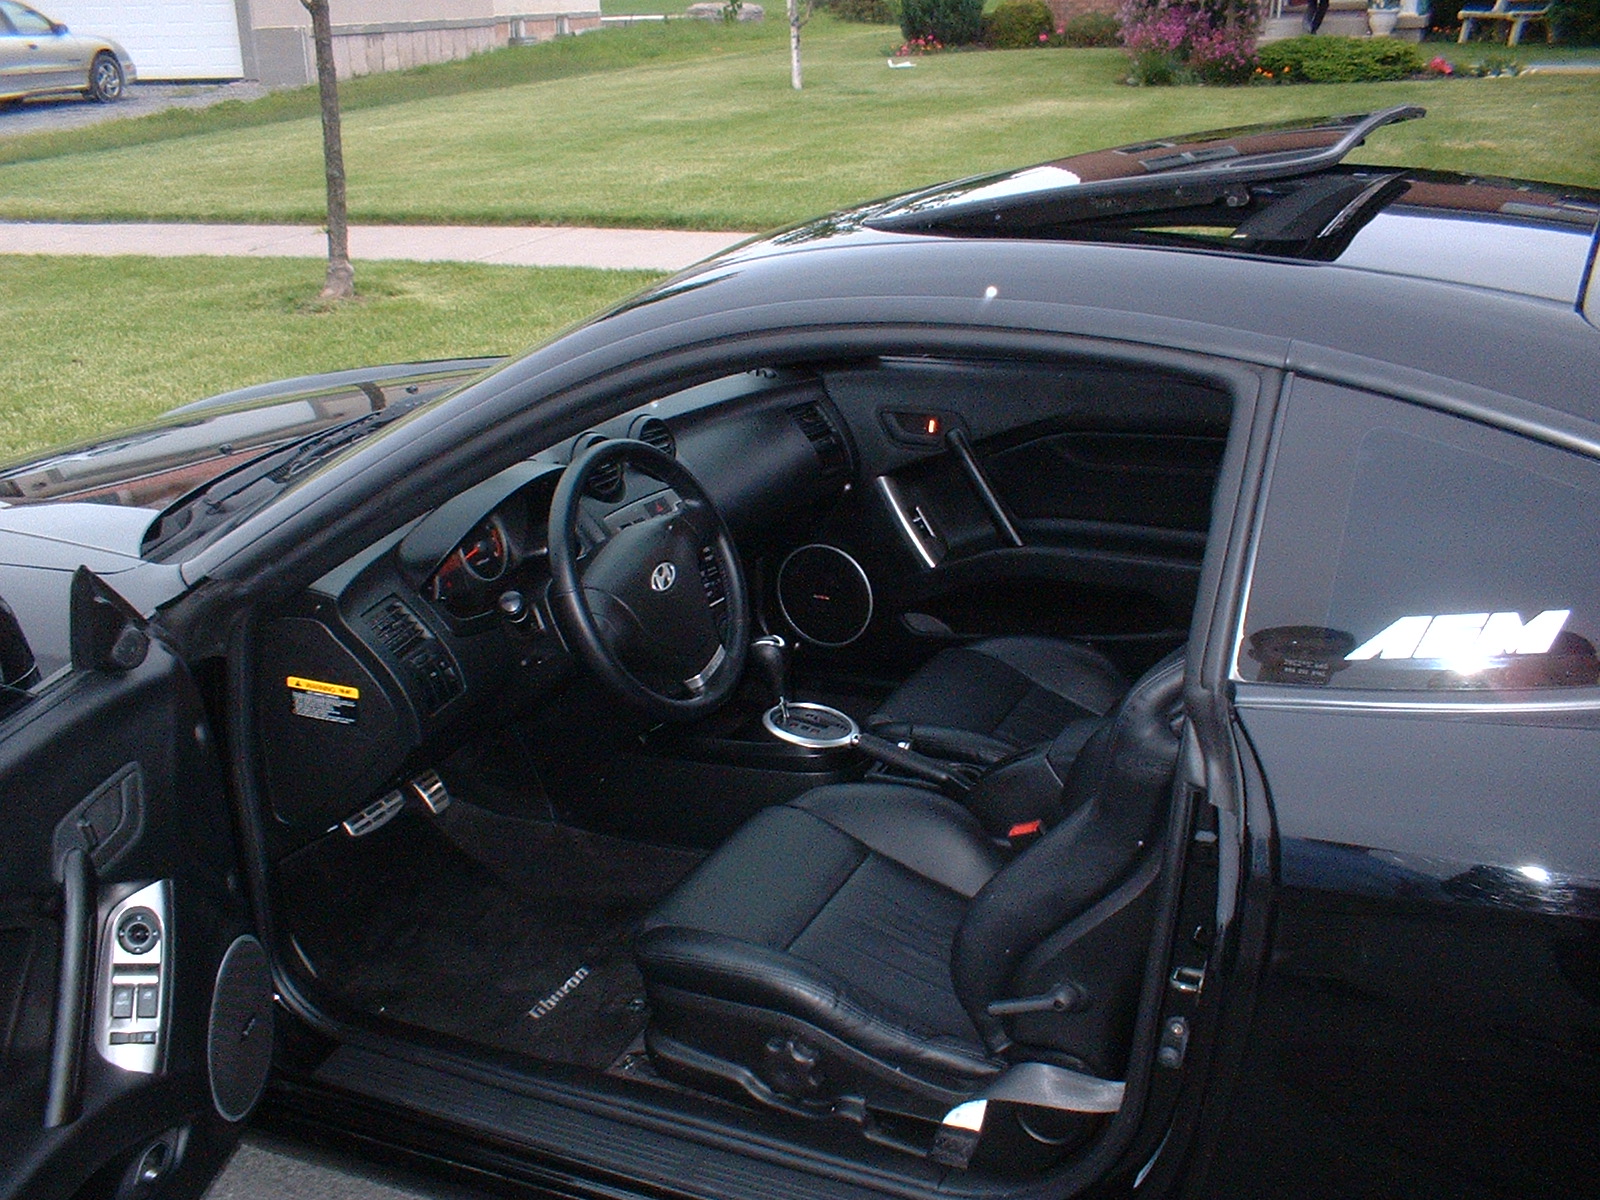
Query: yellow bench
1516	15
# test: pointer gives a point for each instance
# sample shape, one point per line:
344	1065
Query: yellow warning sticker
318	701
327	689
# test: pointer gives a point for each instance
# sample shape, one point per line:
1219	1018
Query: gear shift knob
770	656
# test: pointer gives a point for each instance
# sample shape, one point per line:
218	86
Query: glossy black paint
1403	994
1430	1007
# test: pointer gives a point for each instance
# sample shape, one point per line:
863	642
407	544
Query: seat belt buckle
1024	833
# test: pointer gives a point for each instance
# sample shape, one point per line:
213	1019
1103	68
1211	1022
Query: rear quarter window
1406	549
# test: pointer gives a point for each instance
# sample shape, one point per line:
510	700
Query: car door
33	56
1416	676
1042	500
12	65
135	1006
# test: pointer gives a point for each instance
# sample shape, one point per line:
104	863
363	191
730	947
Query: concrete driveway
267	1167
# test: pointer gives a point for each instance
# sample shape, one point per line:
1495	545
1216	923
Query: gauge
480	558
483	551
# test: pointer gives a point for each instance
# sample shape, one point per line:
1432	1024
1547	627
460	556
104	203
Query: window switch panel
131	1001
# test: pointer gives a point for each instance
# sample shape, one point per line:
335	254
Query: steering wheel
658	609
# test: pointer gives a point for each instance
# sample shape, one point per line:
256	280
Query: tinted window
1404	548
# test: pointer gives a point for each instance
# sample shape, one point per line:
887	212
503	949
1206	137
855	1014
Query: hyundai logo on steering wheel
663	577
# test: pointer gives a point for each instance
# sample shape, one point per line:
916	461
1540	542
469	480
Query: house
270	40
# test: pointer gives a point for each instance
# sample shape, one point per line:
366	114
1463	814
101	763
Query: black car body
314	764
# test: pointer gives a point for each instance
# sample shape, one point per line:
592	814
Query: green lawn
708	133
687	124
105	342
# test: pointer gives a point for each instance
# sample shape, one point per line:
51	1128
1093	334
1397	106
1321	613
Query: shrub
1339	59
1576	21
867	12
1224	56
948	22
1189	42
1018	24
1091	29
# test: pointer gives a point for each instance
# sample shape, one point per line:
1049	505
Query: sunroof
1196	167
1280	191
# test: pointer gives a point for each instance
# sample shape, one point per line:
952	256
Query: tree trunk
794	43
341	281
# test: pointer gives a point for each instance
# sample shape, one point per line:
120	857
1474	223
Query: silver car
39	57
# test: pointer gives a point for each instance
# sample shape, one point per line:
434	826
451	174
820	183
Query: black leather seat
982	702
841	953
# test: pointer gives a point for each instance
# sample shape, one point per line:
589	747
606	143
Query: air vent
653	431
410	643
605	481
824	437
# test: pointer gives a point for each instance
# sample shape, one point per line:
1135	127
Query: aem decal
1468	637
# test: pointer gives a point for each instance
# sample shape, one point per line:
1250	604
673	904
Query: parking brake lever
909	762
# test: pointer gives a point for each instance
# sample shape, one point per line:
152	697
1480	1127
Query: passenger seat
983	702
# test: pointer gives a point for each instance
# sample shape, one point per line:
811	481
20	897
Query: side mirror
107	634
57	28
18	671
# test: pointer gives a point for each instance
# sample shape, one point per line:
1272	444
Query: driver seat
854	951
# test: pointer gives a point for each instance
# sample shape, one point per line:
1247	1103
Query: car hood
150	466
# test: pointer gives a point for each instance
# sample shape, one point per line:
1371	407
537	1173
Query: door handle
72	991
962	449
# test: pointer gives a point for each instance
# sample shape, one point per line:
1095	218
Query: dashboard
427	629
930	500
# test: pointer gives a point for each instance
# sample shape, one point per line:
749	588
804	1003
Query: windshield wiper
235	493
312	450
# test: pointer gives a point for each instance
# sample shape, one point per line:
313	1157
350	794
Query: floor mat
505	932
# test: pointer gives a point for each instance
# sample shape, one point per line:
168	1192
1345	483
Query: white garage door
167	39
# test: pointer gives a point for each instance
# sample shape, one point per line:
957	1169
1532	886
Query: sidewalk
522	246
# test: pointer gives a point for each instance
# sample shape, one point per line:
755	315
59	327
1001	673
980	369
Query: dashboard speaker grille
825	595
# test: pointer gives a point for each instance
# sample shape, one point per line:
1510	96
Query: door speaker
825	595
239	1045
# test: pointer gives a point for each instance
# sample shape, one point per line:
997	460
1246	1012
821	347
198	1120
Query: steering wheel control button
814	726
138	931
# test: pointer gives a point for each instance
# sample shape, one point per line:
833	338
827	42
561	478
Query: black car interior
798	743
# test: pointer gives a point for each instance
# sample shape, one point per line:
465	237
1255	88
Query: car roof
1276	191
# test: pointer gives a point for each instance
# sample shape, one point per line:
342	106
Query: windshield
155	466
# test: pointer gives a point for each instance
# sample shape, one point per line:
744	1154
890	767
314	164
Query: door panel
1111	527
118	902
1428	1019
